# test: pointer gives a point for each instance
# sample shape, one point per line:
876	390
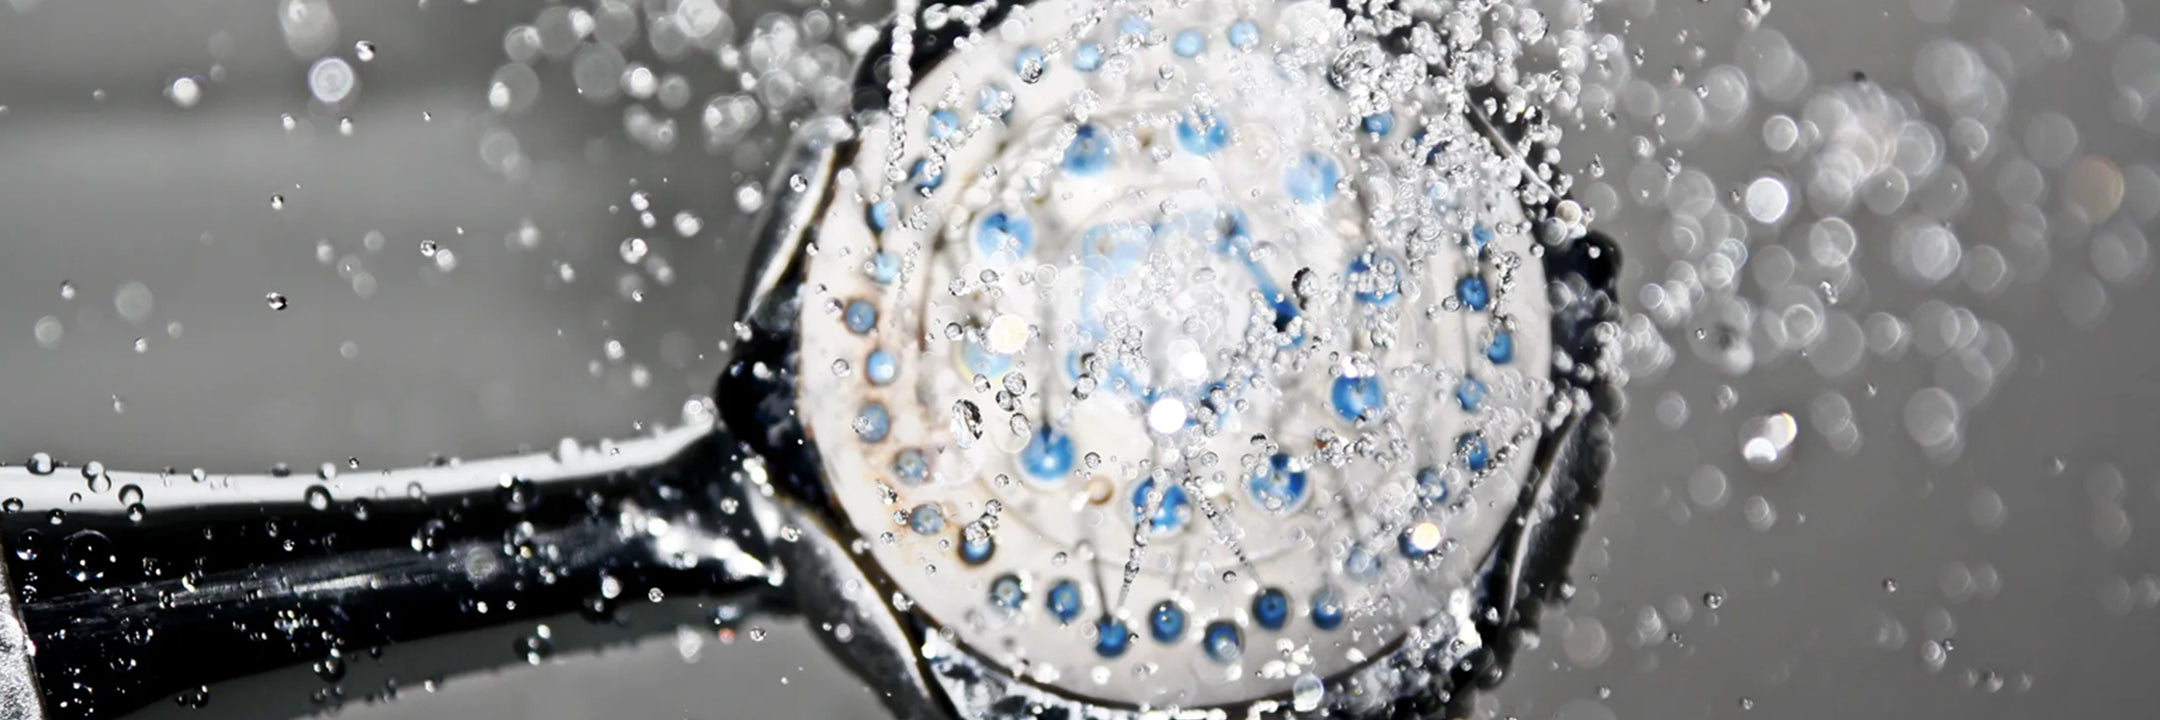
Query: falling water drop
1765	441
966	423
536	646
1306	693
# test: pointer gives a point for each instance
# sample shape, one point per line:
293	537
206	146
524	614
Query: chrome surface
19	699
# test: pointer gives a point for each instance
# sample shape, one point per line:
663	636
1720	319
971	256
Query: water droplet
332	80
364	51
48	332
536	646
687	224
1766	440
1167	415
318	497
134	302
1306	693
1030	65
330	669
966	423
1767	200
40	464
87	555
276	300
1934	654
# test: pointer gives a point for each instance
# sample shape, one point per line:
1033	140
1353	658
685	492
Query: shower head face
1159	362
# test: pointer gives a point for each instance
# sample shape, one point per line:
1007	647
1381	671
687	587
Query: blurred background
1888	445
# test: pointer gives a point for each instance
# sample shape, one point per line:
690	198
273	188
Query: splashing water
1868	238
1824	268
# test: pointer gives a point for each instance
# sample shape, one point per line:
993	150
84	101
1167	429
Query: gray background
499	354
